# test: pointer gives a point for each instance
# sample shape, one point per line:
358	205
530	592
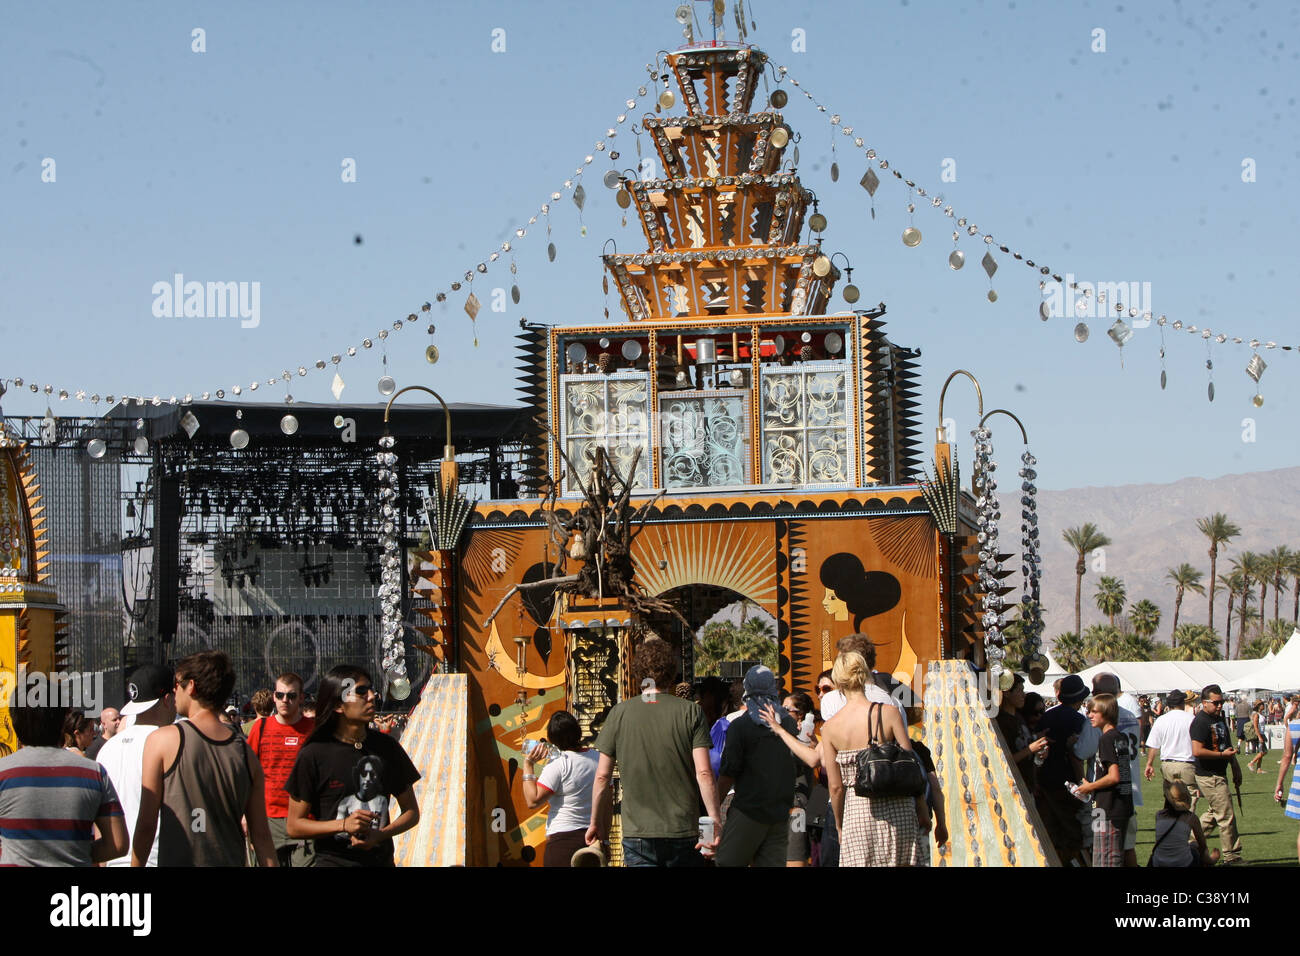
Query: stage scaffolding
168	543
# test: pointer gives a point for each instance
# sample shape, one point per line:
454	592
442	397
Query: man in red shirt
276	740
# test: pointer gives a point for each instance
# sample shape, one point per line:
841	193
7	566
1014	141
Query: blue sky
1122	165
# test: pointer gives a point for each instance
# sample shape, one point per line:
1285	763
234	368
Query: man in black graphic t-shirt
1213	752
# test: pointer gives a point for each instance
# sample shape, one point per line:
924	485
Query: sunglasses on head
286	695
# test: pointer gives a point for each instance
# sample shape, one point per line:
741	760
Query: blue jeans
661	851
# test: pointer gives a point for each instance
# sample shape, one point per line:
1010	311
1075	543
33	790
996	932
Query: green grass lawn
1268	836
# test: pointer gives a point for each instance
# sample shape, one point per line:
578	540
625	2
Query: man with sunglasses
1213	751
276	740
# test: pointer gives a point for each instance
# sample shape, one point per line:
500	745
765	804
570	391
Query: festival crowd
726	774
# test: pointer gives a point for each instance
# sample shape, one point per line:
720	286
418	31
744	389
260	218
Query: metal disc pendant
667	100
141	445
514	294
289	424
956	259
911	236
623	200
1081	332
780	136
835	172
1164	379
431	354
1258	401
1210	391
817	222
612	179
387	385
779	98
794	155
993	295
550	251
851	294
821	267
239	439
1044	311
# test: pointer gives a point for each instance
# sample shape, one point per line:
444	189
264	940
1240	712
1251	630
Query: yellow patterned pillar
30	615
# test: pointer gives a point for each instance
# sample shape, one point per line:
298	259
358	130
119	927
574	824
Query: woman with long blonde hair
874	830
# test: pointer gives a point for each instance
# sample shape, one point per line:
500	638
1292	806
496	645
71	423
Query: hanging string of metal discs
1119	332
289	424
990	571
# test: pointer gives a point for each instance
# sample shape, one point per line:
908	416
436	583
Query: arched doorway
724	620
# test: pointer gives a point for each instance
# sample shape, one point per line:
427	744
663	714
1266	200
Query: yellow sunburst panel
487	550
733	555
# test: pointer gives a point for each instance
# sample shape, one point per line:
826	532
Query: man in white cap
151	703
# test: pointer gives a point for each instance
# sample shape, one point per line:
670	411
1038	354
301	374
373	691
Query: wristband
530	776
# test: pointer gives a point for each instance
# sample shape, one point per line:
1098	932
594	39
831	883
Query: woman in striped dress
1291	797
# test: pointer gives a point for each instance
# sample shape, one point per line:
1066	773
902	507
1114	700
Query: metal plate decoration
683	14
1210	391
576	353
1164	379
612	179
833	341
472	305
1081	332
623	199
835	172
96	448
431	354
239	439
550	251
780	136
779	98
514	294
386	385
667	100
289	425
631	350
851	294
817	222
190	424
911	237
579	196
822	267
1044	311
870	182
956	259
990	264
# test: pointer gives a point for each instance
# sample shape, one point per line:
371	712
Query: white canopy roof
1159	677
1280	673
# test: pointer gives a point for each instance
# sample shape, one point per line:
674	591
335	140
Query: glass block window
610	412
704	439
807	431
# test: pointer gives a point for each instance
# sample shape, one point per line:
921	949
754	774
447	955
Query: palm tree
1219	530
1273	639
1083	539
1247	565
1185	578
1145	618
1102	642
1137	647
1110	597
1067	649
1233	583
1294	570
1195	642
1277	565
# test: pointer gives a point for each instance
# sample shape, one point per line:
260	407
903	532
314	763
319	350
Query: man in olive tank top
200	780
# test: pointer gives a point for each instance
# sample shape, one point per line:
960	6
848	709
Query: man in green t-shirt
661	743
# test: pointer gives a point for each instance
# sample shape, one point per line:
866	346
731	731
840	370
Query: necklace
356	744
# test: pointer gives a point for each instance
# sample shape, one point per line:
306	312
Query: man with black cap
1171	737
762	769
151	703
1063	725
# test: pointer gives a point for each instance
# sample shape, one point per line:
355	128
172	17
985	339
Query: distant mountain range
1153	528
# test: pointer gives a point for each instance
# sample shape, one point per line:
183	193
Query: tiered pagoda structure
770	440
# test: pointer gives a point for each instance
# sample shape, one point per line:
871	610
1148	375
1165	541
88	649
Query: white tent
1159	677
1280	673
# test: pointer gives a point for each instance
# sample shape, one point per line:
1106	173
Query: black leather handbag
884	768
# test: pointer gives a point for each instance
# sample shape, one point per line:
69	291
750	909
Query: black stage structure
269	552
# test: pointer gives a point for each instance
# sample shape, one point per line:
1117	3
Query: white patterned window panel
807	432
704	439
610	412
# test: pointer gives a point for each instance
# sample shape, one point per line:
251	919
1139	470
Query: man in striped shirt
51	797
